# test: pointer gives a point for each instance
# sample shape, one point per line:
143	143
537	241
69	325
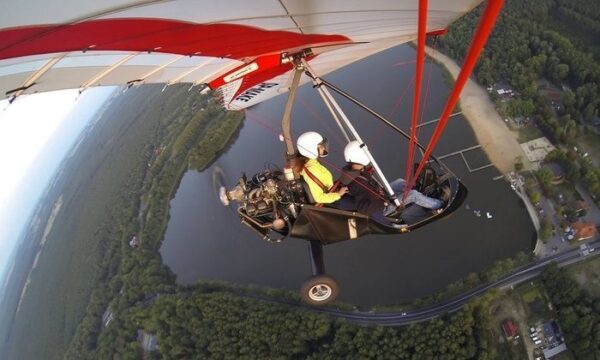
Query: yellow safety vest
321	173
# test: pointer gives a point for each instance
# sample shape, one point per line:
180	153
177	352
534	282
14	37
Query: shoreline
498	142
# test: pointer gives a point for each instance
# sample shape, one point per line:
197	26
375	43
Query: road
521	274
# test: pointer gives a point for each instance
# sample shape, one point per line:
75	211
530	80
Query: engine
266	202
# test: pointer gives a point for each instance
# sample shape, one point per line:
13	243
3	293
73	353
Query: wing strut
486	24
285	122
422	29
325	93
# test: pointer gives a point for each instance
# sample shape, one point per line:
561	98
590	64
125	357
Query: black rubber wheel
320	290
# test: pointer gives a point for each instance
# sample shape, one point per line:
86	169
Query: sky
36	132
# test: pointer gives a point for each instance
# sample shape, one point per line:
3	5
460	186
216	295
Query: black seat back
307	193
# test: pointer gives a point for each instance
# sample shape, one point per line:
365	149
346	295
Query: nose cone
223	196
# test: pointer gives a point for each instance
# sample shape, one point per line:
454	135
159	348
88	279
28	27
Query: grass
512	350
533	296
566	355
508	305
529	295
567	189
587	274
590	143
529	132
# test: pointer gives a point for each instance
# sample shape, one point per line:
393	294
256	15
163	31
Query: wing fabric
233	46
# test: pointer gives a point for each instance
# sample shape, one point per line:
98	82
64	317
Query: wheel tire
320	290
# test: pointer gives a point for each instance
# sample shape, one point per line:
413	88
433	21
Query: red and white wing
234	46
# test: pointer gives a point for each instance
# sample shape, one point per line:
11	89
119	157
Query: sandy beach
497	140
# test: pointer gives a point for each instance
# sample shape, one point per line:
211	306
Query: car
403	314
592	249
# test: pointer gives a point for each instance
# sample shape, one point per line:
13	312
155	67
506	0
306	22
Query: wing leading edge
231	45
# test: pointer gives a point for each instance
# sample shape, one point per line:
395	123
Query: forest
578	312
539	41
190	135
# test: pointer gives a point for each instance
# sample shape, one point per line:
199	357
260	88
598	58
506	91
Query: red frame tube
486	24
421	36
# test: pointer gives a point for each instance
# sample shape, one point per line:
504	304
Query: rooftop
548	353
509	328
583	230
536	150
557	170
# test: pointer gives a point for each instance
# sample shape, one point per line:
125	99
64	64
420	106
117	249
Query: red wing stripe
166	36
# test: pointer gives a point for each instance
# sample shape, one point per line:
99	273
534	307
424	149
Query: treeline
524	49
222	325
578	312
574	170
137	275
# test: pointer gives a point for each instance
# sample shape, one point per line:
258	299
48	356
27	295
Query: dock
462	155
436	120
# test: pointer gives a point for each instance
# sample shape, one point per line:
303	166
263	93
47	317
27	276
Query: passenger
368	194
312	146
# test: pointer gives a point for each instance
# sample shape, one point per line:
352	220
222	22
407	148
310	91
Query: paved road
521	274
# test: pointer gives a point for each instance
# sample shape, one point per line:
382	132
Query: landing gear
319	290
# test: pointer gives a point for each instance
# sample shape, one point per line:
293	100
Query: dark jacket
367	192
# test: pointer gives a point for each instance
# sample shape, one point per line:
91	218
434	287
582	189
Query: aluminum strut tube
325	92
285	121
335	116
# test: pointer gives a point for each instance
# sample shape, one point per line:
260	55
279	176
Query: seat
307	194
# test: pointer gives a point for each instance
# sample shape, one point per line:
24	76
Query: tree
535	197
519	164
545	177
545	229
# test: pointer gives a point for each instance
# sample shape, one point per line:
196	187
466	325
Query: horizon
33	151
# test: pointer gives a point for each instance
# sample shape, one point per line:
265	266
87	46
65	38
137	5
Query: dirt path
498	141
507	307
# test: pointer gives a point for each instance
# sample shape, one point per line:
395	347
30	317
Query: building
579	206
509	328
107	317
558	174
536	150
550	352
134	242
148	341
549	332
583	231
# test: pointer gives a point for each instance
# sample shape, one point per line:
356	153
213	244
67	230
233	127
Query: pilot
312	146
368	194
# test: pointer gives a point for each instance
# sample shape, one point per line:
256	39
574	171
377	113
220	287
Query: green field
587	274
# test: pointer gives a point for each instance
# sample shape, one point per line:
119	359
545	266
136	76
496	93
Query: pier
461	153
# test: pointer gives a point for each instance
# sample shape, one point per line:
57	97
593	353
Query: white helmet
308	144
354	153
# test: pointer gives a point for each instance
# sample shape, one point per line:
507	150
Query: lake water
205	240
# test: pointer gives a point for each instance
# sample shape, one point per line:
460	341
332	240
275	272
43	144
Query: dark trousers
347	203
